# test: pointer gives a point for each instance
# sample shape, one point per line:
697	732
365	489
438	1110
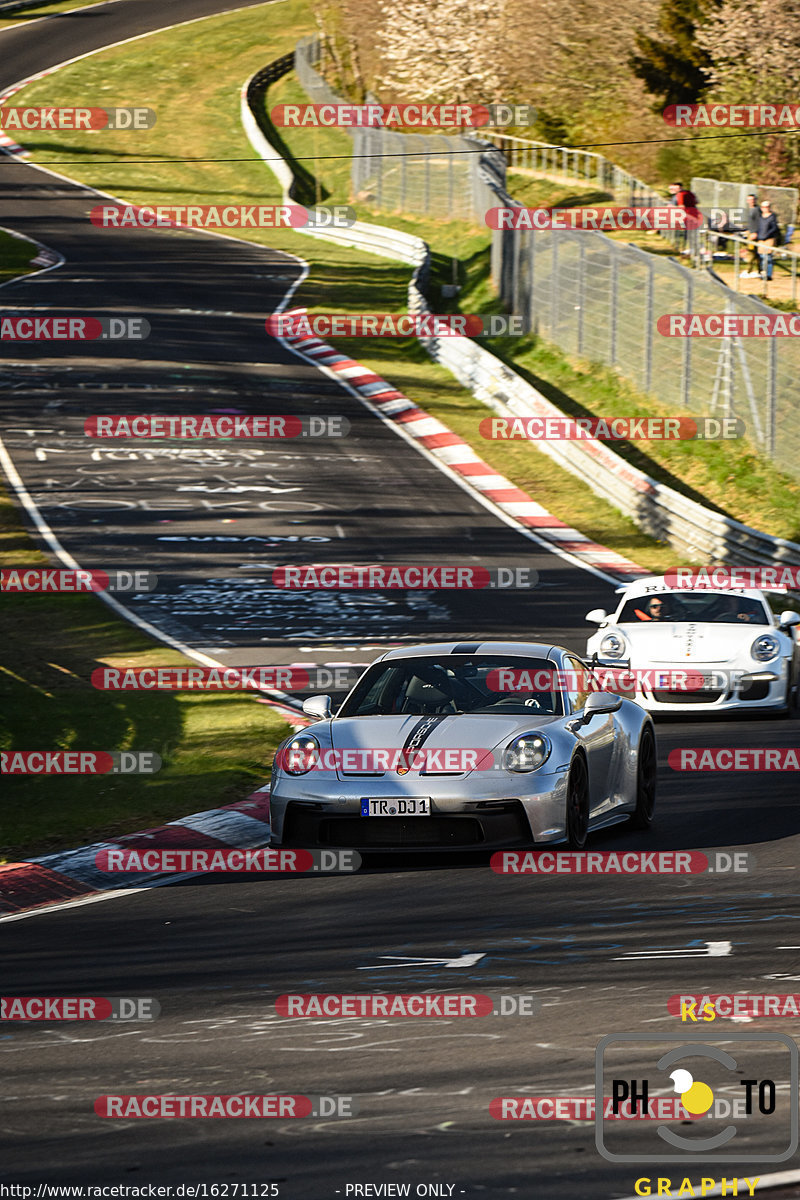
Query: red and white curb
8	144
455	456
73	874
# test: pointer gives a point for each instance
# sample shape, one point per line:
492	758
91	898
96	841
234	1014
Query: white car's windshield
456	683
722	608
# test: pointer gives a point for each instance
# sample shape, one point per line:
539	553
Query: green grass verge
216	747
15	257
161	71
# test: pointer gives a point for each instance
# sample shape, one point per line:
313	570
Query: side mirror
788	618
318	707
598	703
596	616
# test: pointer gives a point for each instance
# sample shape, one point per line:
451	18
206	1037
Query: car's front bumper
733	689
470	812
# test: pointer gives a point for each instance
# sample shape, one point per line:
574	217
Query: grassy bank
15	257
216	748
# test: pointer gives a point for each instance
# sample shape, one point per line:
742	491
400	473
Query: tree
451	51
675	66
754	43
754	50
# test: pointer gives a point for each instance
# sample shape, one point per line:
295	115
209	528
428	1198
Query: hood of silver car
393	734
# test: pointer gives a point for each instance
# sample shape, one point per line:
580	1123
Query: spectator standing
683	198
751	216
769	236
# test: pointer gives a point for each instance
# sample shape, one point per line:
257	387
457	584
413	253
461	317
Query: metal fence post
612	315
648	319
772	396
376	164
515	253
581	290
554	286
531	282
686	381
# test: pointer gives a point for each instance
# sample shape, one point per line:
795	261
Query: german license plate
396	807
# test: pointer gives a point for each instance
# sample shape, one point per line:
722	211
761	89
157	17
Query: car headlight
765	648
612	646
299	755
527	752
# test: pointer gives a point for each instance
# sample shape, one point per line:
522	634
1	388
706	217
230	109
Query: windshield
722	608
455	683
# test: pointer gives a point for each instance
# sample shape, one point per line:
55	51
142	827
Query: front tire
577	804
646	776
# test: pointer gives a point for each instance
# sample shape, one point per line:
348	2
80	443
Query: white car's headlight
612	646
765	648
527	752
300	755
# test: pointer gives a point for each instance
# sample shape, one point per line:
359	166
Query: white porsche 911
700	649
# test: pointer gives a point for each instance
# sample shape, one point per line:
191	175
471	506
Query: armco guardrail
693	530
253	119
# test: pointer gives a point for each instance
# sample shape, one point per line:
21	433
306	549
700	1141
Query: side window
577	683
369	702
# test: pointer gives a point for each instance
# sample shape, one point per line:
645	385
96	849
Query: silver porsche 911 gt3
459	745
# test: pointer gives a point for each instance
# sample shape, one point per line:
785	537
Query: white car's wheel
792	710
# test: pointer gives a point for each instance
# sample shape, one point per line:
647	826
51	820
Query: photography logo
739	1093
